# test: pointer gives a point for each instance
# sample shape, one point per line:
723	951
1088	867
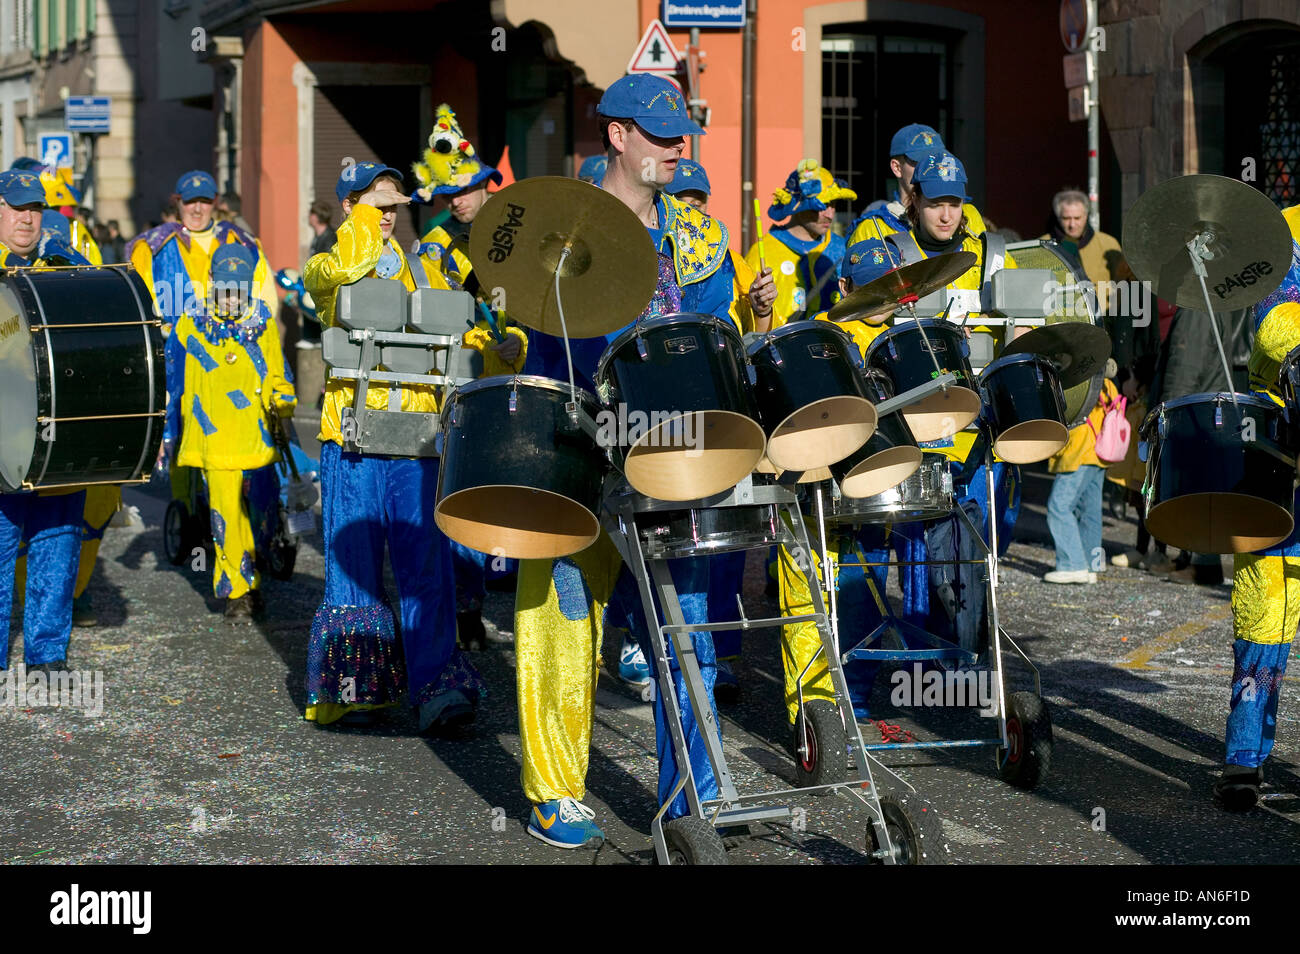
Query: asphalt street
201	753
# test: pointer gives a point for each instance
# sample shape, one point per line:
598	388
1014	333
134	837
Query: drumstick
758	224
492	325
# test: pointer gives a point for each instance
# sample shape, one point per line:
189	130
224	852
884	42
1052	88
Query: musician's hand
509	349
383	198
762	293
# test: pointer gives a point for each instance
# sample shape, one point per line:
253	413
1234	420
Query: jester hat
449	164
809	188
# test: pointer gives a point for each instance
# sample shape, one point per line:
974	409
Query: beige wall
598	37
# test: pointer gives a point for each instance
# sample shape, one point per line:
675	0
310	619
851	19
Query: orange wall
269	156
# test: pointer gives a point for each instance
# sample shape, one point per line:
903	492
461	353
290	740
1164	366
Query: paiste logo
503	238
1247	276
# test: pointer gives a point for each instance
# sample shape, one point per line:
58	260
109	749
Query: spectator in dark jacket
320	217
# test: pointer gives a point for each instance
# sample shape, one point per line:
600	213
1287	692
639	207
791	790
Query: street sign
88	114
55	149
655	53
1078	68
1076	24
1080	104
716	13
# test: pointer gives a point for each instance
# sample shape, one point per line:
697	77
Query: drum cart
903	828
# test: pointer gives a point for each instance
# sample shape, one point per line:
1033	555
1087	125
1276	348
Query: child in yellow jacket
225	373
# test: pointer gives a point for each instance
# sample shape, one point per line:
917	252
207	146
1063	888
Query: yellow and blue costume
806	272
223	377
1266	584
560	605
353	657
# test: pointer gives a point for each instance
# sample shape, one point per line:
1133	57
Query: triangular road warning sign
655	53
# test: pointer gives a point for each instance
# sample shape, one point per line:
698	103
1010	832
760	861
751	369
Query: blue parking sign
55	149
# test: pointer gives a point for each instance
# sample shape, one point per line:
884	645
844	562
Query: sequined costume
353	658
560	605
1265	584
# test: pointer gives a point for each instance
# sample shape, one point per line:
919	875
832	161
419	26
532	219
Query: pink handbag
1113	438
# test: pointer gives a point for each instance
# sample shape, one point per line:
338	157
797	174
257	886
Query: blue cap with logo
233	264
652	102
690	177
593	169
914	141
940	174
358	176
867	260
196	184
19	187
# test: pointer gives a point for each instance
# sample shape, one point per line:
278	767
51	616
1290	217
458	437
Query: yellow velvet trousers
1265	598
234	571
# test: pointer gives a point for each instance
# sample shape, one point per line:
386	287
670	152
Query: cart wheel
280	559
178	533
1028	756
820	757
915	832
693	841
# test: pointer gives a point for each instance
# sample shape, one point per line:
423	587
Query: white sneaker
1129	558
1070	576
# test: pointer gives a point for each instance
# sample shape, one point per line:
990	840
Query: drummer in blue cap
22	240
644	123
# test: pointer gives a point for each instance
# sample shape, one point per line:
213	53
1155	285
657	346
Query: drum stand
654	580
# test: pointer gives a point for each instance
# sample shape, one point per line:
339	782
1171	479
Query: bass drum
82	378
1046	253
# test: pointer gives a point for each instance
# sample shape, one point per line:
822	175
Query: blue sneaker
565	823
632	666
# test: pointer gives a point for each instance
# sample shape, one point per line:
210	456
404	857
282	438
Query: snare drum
82	378
687	423
888	458
902	354
1219	480
811	398
519	478
926	495
1025	408
680	533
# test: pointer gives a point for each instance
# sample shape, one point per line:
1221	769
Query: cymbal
1248	238
517	240
917	279
1077	349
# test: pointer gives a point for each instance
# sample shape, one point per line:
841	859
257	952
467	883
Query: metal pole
694	92
747	128
1094	127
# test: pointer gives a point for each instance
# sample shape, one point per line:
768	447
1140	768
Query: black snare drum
82	378
888	458
1025	408
519	478
811	398
925	495
1219	479
677	391
679	533
902	354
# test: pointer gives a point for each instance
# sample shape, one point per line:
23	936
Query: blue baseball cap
593	169
867	260
914	141
233	264
196	184
652	102
358	176
20	187
940	174
56	222
690	177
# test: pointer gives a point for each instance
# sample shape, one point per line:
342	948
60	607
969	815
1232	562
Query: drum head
1031	441
881	472
521	523
942	415
822	433
17	393
1219	523
722	449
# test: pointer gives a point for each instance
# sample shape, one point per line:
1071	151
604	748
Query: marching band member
226	372
48	520
457	179
354	664
560	604
807	253
61	200
1265	584
910	145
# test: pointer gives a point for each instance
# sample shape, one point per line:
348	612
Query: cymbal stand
1199	251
